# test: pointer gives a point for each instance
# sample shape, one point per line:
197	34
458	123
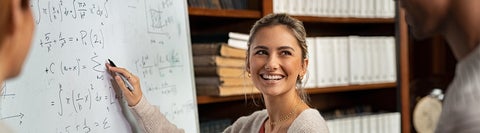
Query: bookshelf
344	20
195	11
215	99
403	68
393	96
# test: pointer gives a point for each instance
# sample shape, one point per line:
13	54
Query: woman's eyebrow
260	47
286	47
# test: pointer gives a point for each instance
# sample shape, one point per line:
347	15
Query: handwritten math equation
93	38
56	11
86	126
160	64
76	66
82	100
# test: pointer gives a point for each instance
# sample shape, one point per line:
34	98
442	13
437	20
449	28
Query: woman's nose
272	63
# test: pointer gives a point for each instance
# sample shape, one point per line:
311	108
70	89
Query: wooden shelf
217	99
204	12
313	19
351	88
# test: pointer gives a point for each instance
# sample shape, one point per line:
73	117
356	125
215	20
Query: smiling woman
276	62
291	33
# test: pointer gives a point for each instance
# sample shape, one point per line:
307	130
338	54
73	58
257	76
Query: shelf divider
217	99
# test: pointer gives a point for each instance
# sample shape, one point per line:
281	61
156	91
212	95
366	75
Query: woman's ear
304	67
247	65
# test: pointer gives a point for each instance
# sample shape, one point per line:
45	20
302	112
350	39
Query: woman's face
275	60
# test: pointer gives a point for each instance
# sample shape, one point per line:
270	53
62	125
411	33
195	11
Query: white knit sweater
153	121
309	121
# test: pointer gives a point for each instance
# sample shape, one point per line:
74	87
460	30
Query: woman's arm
151	120
149	117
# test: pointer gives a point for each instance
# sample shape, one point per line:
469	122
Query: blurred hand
132	97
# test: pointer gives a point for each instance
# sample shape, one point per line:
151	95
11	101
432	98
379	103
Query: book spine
238	36
310	80
204	61
206	49
242	44
207	91
205	71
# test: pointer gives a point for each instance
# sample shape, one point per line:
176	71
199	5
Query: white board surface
64	86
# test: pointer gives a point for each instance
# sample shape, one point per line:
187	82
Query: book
225	91
310	80
223	81
241	44
356	59
238	36
234	39
219	71
220	49
219	61
218	37
325	64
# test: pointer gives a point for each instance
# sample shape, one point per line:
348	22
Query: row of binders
219	4
352	60
337	8
375	123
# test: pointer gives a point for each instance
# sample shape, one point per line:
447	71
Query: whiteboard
64	86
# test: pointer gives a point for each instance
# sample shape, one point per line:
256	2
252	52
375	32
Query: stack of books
220	66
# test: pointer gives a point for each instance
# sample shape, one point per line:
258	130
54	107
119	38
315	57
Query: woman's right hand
132	97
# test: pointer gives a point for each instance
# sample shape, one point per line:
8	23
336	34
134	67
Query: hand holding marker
127	83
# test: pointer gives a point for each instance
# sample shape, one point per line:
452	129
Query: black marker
129	86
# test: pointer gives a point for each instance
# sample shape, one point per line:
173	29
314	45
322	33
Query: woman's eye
286	53
261	52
